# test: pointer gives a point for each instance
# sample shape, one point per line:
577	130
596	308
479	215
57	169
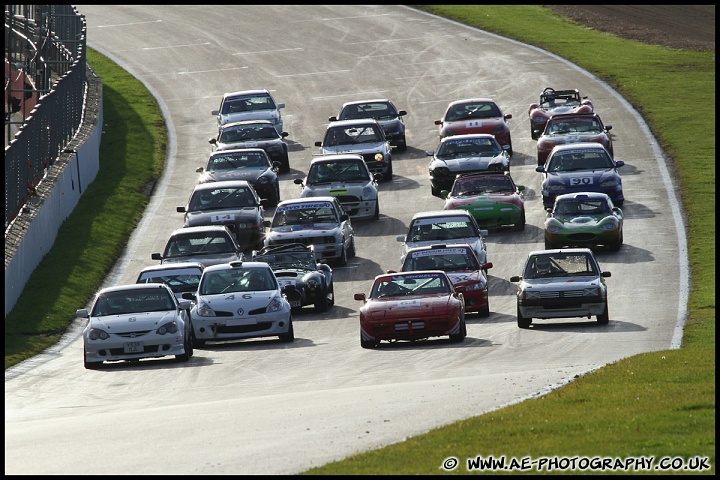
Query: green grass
654	404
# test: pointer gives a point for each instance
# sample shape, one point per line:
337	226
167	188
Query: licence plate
241	321
285	283
133	347
295	303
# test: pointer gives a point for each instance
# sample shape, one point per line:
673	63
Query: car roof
135	286
286	247
246	92
410	274
200	229
243	264
466	136
583	195
471	100
245	122
356	122
172	266
579	146
374	100
237	150
483	175
296	201
560	116
442	213
221	184
337	157
561	250
439	246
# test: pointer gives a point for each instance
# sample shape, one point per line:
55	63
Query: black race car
304	279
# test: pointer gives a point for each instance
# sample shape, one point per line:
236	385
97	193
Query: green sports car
584	219
492	198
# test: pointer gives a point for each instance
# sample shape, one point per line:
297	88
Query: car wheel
604	319
510	150
187	346
376	215
275	199
331	295
520	226
523	322
402	145
548	245
322	303
388	176
284	164
198	343
532	132
290	335
459	337
367	343
485	312
351	250
615	244
90	365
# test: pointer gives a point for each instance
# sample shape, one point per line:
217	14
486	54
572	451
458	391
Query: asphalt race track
264	407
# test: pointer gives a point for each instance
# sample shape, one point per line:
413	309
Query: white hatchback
347	177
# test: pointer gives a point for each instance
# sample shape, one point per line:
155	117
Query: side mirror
361	297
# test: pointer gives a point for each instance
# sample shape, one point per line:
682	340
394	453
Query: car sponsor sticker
580	181
303	206
222	218
438	252
408	304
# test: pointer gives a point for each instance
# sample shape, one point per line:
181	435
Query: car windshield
581	207
549	101
220	198
179	280
565	126
133	301
300	259
404	285
305	214
247	133
472	110
350	135
234	161
376	110
448	259
571	160
237	280
247	104
560	265
328	172
464	187
469	147
198	244
424	230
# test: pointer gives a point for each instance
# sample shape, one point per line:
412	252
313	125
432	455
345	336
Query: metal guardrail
45	51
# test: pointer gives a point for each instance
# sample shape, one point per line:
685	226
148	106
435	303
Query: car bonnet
234	301
132	322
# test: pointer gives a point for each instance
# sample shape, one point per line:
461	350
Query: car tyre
322	303
367	343
90	365
402	145
289	336
285	164
351	250
376	215
523	322
331	295
275	198
188	347
520	226
532	132
615	244
485	311
459	337
548	245
388	176
604	318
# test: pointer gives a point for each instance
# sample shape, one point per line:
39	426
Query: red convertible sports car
476	115
553	102
573	128
411	306
492	198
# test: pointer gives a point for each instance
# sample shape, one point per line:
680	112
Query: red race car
462	266
476	115
573	128
411	306
553	102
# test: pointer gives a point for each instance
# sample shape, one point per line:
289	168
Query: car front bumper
252	326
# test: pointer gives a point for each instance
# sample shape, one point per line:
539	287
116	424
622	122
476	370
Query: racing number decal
576	181
473	124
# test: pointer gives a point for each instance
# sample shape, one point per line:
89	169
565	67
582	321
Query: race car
584	219
573	128
553	102
476	115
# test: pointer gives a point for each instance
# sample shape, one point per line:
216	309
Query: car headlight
263	180
591	292
500	129
274	149
608	226
475	286
308	193
379	157
368	193
448	132
554	228
274	306
609	183
312	283
555	187
98	334
204	310
440	172
170	327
